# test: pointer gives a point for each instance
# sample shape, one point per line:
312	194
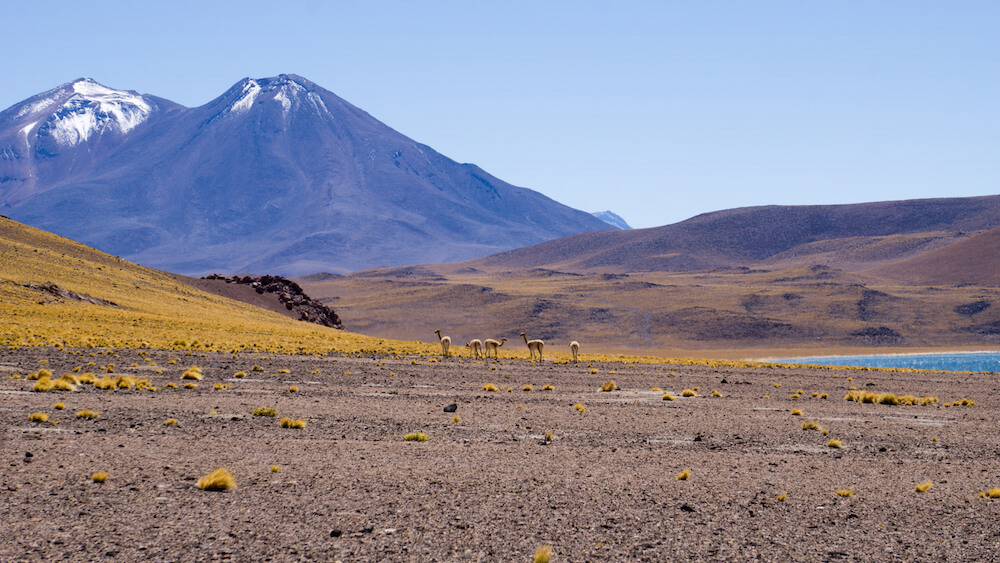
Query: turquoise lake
959	361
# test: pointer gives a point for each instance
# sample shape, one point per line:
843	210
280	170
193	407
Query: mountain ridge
745	236
276	175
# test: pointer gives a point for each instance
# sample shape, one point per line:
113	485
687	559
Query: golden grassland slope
731	311
141	306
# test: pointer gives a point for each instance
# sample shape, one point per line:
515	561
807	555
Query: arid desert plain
595	475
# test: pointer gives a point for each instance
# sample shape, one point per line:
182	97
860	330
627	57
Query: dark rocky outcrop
290	294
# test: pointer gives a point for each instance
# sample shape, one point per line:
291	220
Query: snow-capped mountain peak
90	109
286	90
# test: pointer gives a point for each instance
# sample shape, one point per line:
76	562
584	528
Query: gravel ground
490	486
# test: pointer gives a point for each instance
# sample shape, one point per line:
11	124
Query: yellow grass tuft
845	492
824	396
992	493
889	399
810	425
548	388
38	417
193	372
264	411
782	497
580	407
796	412
526	387
275	469
100	476
715	393
283	370
88	414
171	385
688	393
240	374
543	554
549	436
219	480
105	383
289	423
923	487
69	378
43	384
190	385
668	397
684	475
59	406
416	437
456	419
124	382
835	443
256	368
490	387
609	385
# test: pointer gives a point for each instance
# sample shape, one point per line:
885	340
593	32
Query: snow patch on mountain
286	102
289	93
317	103
27	129
250	92
96	109
33	107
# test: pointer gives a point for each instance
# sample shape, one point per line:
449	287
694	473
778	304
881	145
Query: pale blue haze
657	111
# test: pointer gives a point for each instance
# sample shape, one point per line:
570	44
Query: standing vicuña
533	346
493	345
476	347
575	348
445	342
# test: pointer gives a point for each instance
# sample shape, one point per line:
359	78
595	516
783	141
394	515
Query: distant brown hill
890	275
738	237
973	260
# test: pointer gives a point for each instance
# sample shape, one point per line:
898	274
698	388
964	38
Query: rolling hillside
889	276
973	260
58	292
836	235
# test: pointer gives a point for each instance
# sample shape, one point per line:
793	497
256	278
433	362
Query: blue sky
658	111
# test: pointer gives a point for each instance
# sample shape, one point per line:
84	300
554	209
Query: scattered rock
60	293
451	408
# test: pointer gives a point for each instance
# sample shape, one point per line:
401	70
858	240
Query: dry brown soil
489	487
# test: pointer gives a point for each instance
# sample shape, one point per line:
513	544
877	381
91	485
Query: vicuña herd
483	348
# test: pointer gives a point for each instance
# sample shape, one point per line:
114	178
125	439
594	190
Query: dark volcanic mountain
276	175
782	234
